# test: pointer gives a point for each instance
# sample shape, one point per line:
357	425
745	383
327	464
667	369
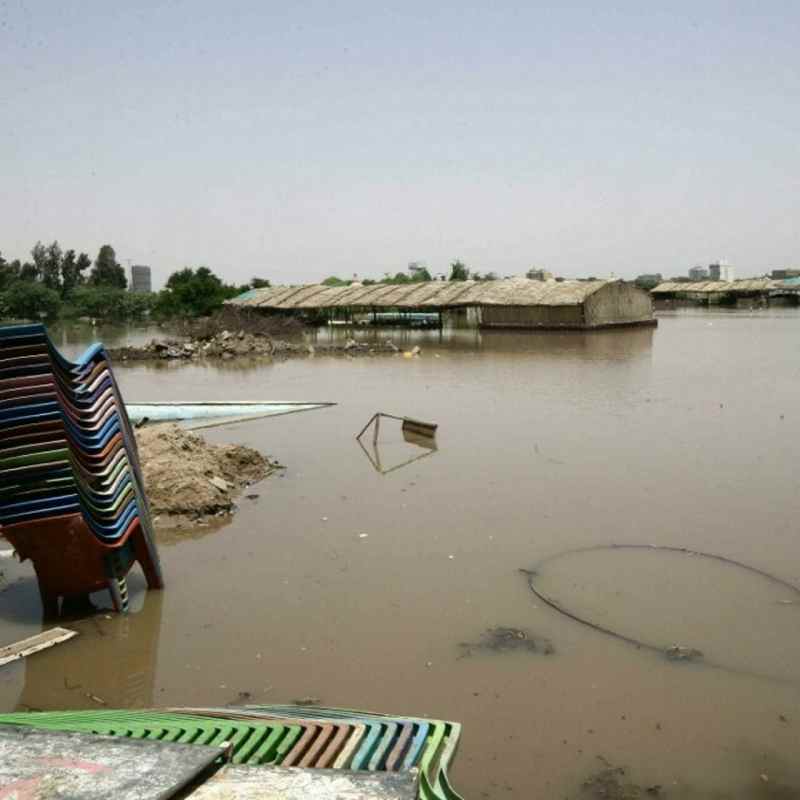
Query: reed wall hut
513	303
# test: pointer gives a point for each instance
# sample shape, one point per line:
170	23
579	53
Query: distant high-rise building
698	274
140	279
721	271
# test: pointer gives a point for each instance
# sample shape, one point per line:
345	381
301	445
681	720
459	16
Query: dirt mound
229	318
187	478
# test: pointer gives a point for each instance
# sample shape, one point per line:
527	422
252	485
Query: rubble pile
227	345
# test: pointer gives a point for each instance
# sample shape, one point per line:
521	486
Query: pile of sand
186	477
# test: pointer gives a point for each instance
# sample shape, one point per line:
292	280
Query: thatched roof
432	294
709	287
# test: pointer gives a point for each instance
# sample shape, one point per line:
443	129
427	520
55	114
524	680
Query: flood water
357	586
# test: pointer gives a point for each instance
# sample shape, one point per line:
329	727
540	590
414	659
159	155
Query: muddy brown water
683	436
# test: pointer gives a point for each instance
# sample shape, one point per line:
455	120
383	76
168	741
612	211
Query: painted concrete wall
618	303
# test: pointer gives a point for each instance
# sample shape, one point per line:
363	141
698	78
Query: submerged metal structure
516	303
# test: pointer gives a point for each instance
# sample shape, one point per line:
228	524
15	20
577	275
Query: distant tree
490	276
29	272
334	281
421	275
69	272
259	283
107	272
83	263
51	276
72	269
107	302
39	256
30	300
193	293
9	272
459	271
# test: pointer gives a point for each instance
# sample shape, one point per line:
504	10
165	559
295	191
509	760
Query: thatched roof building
515	302
751	286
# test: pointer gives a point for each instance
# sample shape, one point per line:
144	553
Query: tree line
417	273
62	283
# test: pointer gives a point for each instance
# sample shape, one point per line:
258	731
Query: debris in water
680	653
307	701
610	784
33	644
504	640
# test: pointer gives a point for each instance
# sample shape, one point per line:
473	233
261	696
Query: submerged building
743	292
512	303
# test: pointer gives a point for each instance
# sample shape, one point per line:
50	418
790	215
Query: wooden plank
292	783
33	644
43	765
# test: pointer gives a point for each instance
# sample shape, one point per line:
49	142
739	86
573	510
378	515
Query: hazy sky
296	140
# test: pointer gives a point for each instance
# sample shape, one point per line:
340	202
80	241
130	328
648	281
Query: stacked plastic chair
287	736
71	490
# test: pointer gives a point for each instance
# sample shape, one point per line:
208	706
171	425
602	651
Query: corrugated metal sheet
707	287
434	294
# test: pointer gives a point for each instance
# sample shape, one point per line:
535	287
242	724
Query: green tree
29	273
421	275
72	271
107	302
260	283
39	256
334	281
107	272
459	271
9	272
195	293
51	267
69	273
30	300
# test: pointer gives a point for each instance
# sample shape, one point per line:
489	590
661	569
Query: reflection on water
73	337
374	444
604	344
112	661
